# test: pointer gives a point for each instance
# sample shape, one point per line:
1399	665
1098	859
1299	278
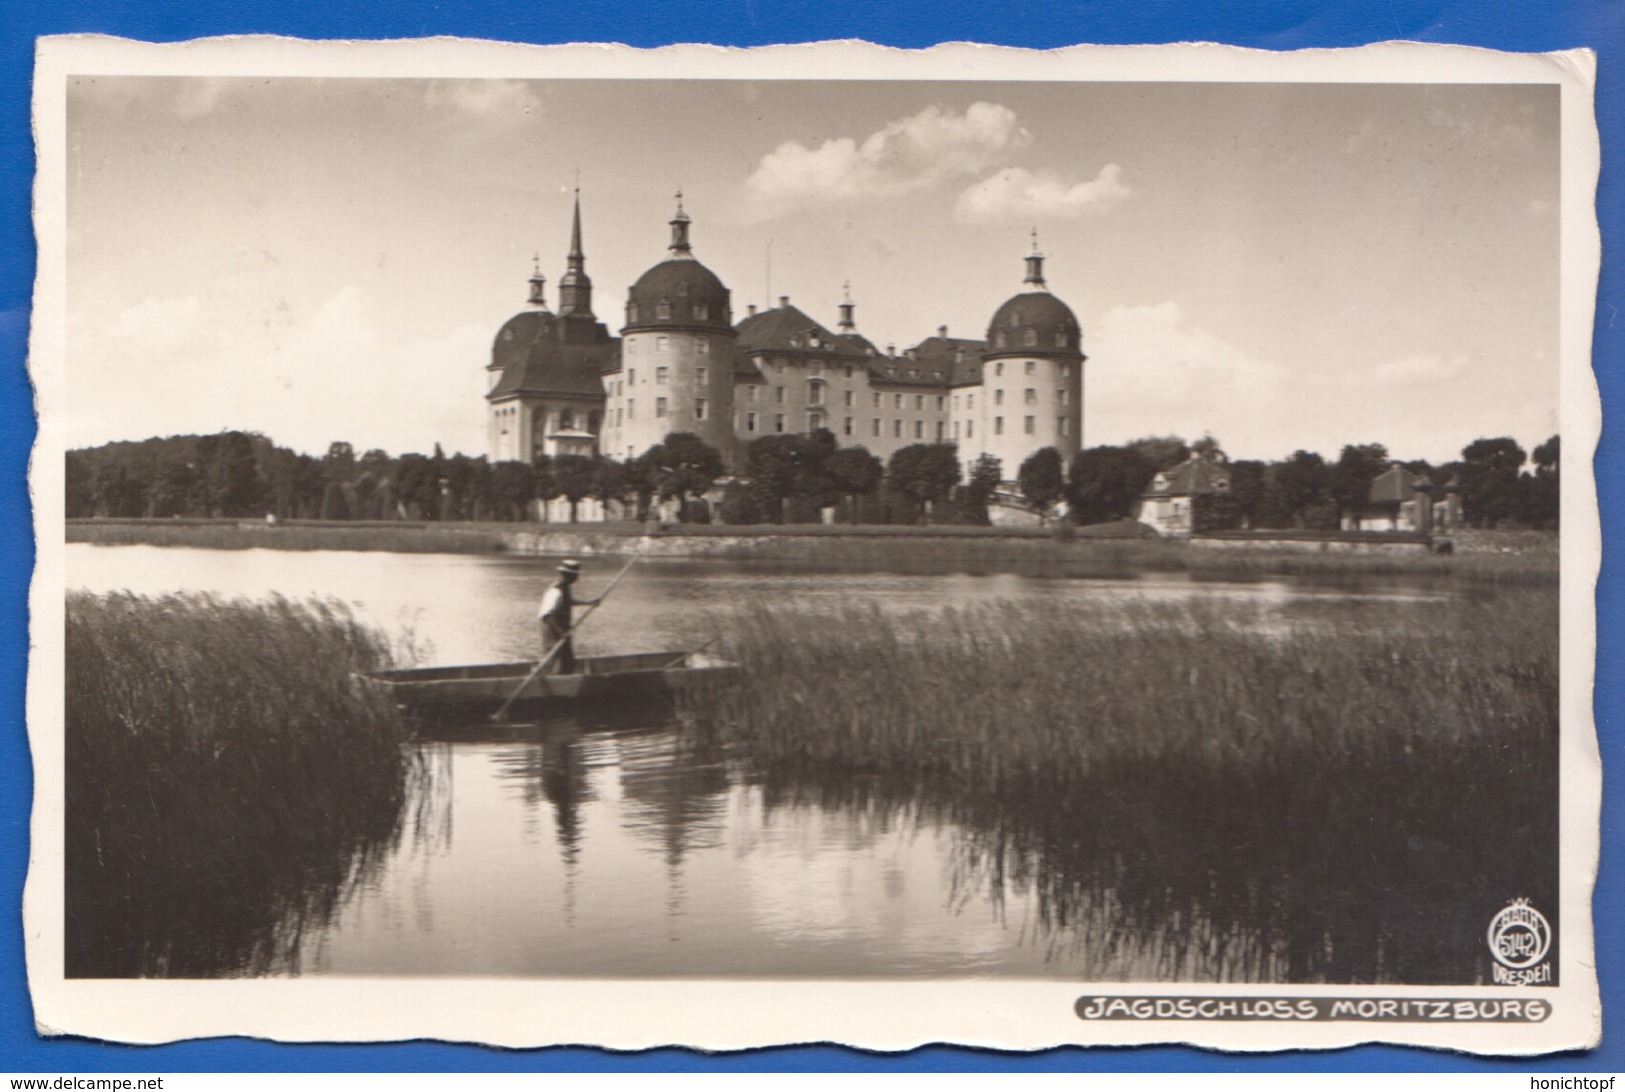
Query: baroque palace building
561	384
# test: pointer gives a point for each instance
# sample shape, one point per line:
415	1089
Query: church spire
538	284
575	287
1035	265
847	325
680	246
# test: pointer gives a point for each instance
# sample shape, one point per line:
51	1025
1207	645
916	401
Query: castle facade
560	383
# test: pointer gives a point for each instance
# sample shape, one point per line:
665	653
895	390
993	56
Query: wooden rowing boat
640	675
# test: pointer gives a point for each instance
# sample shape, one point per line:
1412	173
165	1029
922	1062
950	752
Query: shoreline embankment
1111	546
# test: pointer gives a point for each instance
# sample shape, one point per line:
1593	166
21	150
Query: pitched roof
959	358
1193	477
1394	485
788	329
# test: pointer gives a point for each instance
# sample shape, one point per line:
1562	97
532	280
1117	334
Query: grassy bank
1190	793
226	779
1108	550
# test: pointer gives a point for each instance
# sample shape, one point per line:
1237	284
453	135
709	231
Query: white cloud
1153	372
906	156
505	101
1418	369
161	367
1016	194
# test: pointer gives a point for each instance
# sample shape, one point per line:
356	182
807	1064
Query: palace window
618	417
998	369
702	345
956	430
998	426
956	403
631	312
970	429
896	401
875	431
815	394
1063	396
661	374
631	408
660	407
778	394
1060	339
699	409
1031	397
1029	336
942	402
849	371
942	431
970	401
919	401
750	391
876	398
663	309
778	422
851	398
846	426
1028	426
750	421
702	375
1031	366
1061	428
702	312
1066	371
631	342
567	419
815	421
998	396
631	376
662	344
919	430
897	427
998	340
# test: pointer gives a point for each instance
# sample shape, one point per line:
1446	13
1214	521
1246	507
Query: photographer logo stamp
1519	938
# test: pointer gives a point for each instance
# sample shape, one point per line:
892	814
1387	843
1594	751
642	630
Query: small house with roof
1169	504
1400	500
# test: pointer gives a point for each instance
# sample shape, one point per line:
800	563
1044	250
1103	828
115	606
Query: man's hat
571	567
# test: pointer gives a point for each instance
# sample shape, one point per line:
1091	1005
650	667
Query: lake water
607	847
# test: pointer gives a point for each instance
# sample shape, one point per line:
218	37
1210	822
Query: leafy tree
785	466
1303	489
738	505
1350	479
610	481
1042	480
79	491
854	472
513	487
173	490
1248	487
1208	448
231	485
683	465
417	486
339	463
335	501
1161	452
1489	480
575	476
1548	455
1105	483
924	473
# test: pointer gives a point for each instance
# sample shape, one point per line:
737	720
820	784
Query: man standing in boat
554	614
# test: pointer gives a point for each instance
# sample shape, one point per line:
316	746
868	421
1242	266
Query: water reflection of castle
561	384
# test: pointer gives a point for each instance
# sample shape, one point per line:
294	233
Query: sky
1279	266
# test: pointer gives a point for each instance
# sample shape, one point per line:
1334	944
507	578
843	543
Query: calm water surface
608	847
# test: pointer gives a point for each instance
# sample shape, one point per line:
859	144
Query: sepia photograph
862	524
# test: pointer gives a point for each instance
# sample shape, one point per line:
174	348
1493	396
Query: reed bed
227	779
1195	790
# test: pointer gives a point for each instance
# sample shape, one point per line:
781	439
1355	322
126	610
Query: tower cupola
538	285
680	246
1035	265
847	325
575	287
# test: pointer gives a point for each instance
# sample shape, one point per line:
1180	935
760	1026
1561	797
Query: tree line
785	478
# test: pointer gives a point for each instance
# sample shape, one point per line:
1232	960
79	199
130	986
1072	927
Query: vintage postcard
819	543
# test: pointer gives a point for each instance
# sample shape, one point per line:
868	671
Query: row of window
1029	337
700	312
814	367
1029	397
702	410
663	344
1064	371
754	423
1029	425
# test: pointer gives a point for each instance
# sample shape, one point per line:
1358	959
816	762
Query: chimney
784	301
942	332
750	309
891	349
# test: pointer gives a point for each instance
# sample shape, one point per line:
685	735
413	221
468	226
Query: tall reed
1194	790
226	779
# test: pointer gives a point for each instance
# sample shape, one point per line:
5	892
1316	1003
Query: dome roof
1034	323
538	352
678	292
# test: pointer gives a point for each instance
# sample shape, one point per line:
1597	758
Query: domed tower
676	370
1031	393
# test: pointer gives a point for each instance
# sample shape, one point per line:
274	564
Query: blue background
1500	24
